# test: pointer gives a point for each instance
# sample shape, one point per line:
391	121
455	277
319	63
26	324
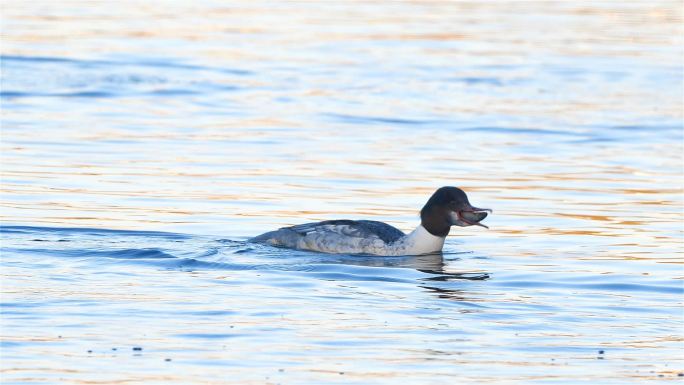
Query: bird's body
448	206
353	237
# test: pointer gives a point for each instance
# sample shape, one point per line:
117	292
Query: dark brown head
447	207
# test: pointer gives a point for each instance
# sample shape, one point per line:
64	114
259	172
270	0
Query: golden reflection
417	36
586	216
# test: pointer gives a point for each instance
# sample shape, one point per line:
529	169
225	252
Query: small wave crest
171	251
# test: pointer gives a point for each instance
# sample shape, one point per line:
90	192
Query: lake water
143	143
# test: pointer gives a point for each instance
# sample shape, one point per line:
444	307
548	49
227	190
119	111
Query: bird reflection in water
427	263
433	264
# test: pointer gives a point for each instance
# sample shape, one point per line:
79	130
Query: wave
174	251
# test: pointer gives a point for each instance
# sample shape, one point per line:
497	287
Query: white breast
419	241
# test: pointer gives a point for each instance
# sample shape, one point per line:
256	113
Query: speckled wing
336	236
353	229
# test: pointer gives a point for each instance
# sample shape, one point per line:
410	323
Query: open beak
472	216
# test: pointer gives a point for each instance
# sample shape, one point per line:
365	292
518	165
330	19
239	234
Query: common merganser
447	207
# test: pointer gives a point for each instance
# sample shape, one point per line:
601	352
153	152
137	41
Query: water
142	146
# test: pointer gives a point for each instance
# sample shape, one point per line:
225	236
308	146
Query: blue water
77	301
84	298
142	147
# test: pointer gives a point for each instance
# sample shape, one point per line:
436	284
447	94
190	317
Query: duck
448	206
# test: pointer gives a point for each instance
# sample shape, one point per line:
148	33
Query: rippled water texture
143	143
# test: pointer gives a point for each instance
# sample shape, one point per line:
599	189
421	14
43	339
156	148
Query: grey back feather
360	229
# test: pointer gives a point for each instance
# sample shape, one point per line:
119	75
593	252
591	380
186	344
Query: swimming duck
448	206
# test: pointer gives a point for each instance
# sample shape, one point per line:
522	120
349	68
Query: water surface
142	146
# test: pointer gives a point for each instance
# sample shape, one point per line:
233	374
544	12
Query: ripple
208	336
87	63
603	287
89	231
114	254
354	119
26	77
